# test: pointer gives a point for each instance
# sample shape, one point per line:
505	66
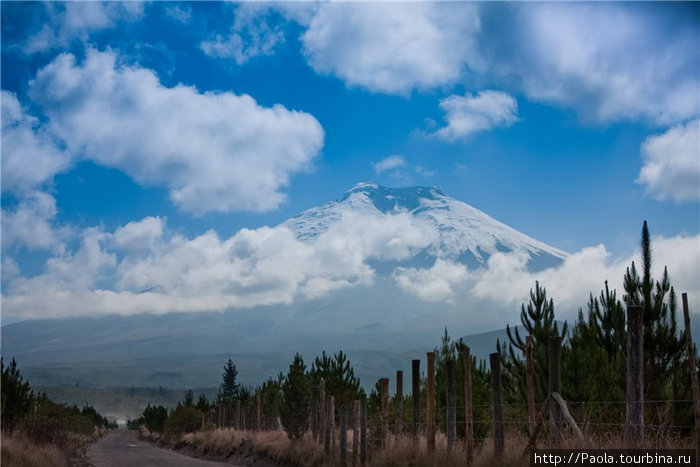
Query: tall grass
18	451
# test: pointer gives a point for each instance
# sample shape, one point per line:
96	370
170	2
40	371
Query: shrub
183	420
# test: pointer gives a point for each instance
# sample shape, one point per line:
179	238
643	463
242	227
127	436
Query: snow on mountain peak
466	234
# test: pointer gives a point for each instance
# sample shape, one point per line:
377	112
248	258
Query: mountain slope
465	234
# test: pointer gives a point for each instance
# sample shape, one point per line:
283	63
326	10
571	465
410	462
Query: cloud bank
214	151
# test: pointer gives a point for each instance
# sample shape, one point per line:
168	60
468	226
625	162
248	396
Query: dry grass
274	448
18	451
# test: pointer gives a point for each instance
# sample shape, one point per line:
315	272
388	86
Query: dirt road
122	447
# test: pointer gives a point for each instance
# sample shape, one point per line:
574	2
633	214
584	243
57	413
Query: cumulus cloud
77	20
252	34
393	47
395	161
142	267
671	163
609	61
31	223
469	114
214	151
435	284
30	155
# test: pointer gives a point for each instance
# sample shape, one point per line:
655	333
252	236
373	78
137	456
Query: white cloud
142	267
179	14
31	223
434	284
608	61
77	20
393	47
469	114
214	151
141	235
671	163
252	35
585	271
395	161
30	155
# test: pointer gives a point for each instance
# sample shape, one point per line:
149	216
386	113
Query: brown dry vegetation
18	451
275	448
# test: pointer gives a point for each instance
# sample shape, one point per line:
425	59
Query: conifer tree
229	389
295	409
17	395
539	321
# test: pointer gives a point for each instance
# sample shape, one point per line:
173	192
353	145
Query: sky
144	142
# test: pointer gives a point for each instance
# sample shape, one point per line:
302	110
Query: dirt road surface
122	447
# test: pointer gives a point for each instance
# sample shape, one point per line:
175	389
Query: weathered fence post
468	411
497	407
237	415
398	428
415	375
430	409
258	412
554	380
363	431
634	429
384	413
329	426
451	400
314	412
530	384
356	432
692	366
322	411
343	434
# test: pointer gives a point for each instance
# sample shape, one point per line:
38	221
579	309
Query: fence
332	434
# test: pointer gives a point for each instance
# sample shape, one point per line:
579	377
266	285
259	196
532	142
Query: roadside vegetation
276	421
37	431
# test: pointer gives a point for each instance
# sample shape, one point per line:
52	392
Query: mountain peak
393	199
466	235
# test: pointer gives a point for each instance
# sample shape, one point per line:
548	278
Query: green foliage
271	400
538	319
341	382
296	402
154	418
229	389
663	344
51	423
183	419
203	404
17	395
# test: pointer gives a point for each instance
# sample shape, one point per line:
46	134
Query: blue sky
569	122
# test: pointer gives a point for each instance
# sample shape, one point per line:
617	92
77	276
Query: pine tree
295	409
17	395
663	346
341	382
539	322
229	389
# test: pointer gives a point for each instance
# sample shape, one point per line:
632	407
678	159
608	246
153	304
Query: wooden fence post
237	415
398	428
322	411
430	412
384	413
363	432
530	384
634	427
314	412
451	400
258	413
356	432
692	366
554	380
415	375
343	434
497	407
468	411
329	426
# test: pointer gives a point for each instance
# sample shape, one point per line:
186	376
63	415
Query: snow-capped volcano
462	233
